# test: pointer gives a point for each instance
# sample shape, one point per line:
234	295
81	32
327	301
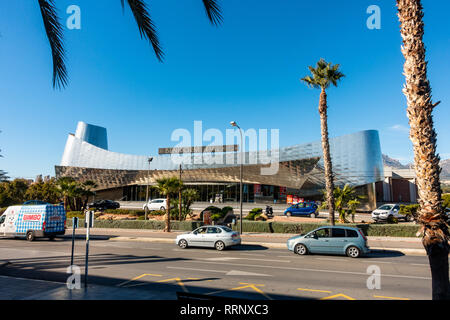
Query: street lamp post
150	159
234	124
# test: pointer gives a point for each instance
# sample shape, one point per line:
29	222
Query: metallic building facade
356	158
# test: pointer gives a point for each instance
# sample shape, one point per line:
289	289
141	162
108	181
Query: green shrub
254	213
446	200
409	209
74	214
214	210
125	212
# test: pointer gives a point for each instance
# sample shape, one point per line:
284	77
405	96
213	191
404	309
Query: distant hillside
393	163
445	165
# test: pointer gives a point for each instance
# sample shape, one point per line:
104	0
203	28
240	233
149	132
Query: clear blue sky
247	70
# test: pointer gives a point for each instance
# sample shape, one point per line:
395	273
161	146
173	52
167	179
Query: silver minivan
348	241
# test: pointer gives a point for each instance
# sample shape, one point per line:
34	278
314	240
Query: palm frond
54	31
213	11
147	29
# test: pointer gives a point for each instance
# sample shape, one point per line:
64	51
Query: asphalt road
252	272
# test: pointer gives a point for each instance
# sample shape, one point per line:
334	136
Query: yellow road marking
337	296
313	290
395	298
246	285
179	282
139	277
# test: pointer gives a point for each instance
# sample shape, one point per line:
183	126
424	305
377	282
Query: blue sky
246	70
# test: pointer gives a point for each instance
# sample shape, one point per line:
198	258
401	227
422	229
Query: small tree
168	187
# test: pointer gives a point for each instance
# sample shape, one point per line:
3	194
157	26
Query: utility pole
234	124
150	159
179	197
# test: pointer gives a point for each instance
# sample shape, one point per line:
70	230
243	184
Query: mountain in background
394	163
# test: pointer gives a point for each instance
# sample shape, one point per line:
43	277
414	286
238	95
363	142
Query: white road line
252	254
420	264
204	270
305	269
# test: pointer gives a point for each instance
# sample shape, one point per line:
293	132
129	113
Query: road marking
337	296
246	285
179	282
222	259
139	277
243	273
234	258
252	254
305	269
420	264
313	290
394	298
204	270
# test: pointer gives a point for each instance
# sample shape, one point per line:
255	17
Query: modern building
357	160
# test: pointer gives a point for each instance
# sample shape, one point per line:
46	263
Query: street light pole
234	124
150	159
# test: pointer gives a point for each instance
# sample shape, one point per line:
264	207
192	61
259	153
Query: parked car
302	209
156	204
218	237
348	241
104	205
388	211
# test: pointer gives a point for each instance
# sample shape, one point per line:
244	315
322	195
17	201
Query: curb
420	252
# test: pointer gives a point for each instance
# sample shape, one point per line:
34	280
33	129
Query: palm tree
426	161
322	77
147	30
67	187
168	187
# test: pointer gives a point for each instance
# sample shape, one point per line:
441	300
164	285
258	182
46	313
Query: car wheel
219	245
312	215
162	208
182	244
353	252
300	249
288	214
51	238
408	218
30	236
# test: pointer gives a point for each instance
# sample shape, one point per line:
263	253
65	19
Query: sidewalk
411	246
32	289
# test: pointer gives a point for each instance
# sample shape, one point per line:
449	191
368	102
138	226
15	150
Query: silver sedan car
218	237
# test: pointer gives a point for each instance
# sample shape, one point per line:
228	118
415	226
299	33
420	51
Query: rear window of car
352	233
226	229
338	233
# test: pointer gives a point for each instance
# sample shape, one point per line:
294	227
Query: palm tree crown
147	30
323	75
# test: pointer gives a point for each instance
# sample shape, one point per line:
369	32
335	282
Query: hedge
374	230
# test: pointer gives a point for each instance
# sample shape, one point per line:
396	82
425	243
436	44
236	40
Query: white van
31	221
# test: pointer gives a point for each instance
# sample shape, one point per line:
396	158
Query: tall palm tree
426	161
147	30
168	187
322	77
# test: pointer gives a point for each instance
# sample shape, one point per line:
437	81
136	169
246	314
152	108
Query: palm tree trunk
420	106
326	154
167	227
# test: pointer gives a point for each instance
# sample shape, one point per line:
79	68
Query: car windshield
385	207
